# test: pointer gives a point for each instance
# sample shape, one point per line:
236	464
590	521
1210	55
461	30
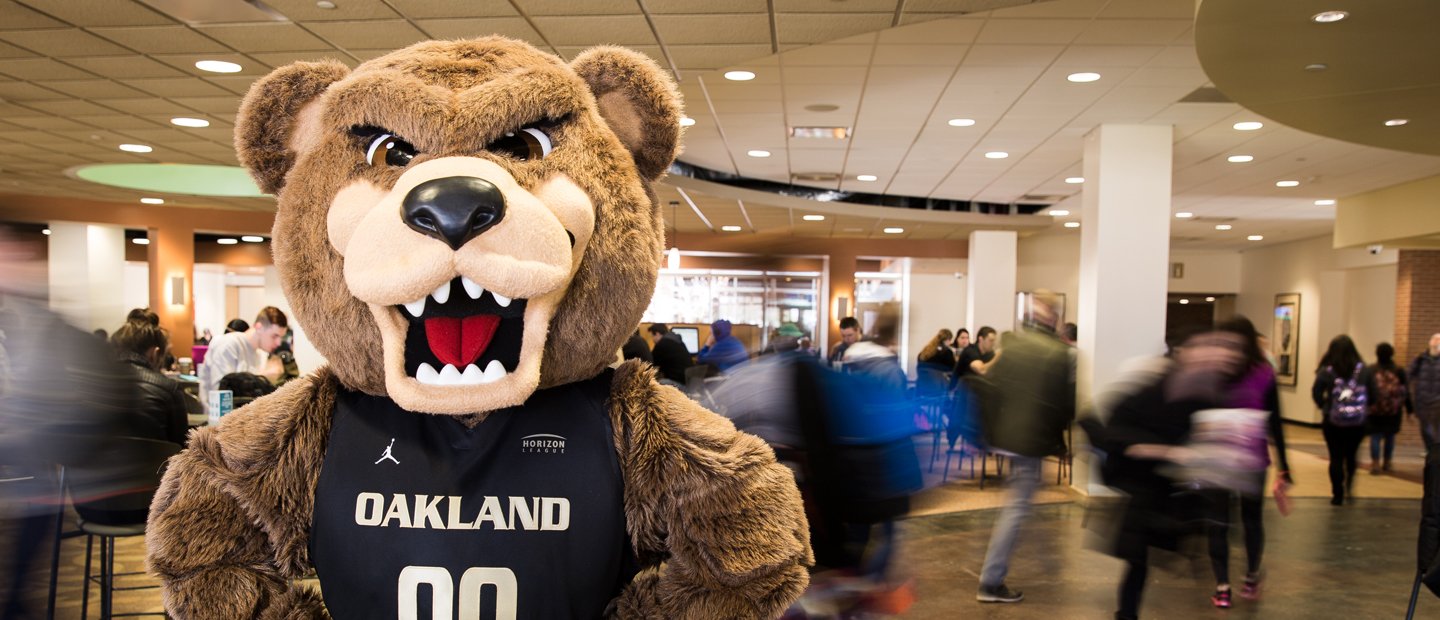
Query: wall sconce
842	307
177	290
672	259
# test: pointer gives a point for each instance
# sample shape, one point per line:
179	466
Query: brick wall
1417	312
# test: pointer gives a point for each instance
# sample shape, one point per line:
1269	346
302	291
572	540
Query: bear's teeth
416	308
442	293
472	288
500	299
449	375
472	375
495	371
426	374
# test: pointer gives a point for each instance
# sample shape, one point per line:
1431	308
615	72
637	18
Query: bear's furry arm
230	523
716	523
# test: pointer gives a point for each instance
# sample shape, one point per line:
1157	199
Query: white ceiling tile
349	10
828	55
1053	9
442	9
938	55
715	56
819	28
1013	55
706	29
389	33
161	39
1133	31
661	7
937	32
1100	56
115	13
596	30
1031	31
264	37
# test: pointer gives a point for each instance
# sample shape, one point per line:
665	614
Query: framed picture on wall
1285	338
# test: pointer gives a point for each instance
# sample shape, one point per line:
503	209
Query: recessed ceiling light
1083	77
1209	299
1256	237
1328	17
140	241
822	107
153	201
1248	125
325	4
252	239
1072	224
866	177
1184	215
1287	184
1240	159
1316	66
730	228
45	231
1396	122
227	241
813	218
739	76
136	148
1324	203
1058	212
894	230
1074	180
686	121
217	66
996	155
1184	302
1223	227
758	153
189	122
961	122
832	133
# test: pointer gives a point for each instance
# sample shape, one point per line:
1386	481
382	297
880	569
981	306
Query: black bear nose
453	209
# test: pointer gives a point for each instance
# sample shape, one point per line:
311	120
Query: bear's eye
530	143
388	150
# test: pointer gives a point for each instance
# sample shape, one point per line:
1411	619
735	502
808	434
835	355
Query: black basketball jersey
418	517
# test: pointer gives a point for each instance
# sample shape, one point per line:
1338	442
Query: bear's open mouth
462	334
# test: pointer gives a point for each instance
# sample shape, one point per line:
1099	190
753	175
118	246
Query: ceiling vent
815	177
1206	94
1045	198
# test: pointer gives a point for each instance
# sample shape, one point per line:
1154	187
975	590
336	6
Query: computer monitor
690	336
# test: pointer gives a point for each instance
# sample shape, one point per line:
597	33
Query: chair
930	395
111	493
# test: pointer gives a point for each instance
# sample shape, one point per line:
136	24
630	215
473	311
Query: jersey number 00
442	592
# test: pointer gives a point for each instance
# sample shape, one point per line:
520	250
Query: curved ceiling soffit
1380	63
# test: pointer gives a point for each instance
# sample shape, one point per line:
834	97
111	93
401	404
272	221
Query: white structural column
87	274
1124	255
990	292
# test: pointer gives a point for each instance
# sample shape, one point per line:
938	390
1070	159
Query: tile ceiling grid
1046	73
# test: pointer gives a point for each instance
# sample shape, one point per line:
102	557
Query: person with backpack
1343	398
1424	376
1389	398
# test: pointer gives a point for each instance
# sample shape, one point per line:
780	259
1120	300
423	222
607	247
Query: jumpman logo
387	454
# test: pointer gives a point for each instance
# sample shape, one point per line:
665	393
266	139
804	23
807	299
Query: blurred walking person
1424	378
1035	385
1389	399
1256	389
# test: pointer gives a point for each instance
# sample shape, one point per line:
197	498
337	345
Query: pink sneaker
1251	590
1221	598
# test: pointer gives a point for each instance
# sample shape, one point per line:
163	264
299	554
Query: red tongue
459	341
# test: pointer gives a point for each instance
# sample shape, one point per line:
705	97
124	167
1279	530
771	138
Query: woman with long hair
1339	391
962	340
937	351
1255	388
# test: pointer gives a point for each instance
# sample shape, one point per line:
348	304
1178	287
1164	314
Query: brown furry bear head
463	222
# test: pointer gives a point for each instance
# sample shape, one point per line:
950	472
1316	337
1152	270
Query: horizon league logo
542	444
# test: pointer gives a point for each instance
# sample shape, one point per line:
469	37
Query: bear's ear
273	122
638	101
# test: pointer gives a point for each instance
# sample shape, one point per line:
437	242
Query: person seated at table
159	411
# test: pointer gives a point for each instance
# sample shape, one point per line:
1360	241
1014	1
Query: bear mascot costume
467	232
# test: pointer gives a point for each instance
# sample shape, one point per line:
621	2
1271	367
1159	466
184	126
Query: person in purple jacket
1255	389
722	349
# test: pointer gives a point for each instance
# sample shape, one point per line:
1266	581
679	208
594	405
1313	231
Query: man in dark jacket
1429	548
1424	380
670	355
159	401
1033	404
636	348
